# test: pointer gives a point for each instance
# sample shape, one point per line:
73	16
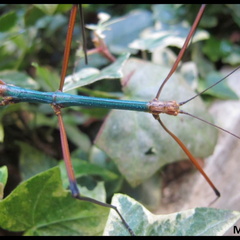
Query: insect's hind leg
76	194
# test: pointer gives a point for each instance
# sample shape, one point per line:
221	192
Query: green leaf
168	13
32	15
235	8
165	37
170	31
83	168
103	24
63	8
95	60
233	57
216	49
48	9
79	138
136	142
48	79
19	79
192	222
90	75
204	65
98	193
223	50
212	49
98	157
150	193
41	207
3	179
7	21
33	161
118	40
222	90
1	133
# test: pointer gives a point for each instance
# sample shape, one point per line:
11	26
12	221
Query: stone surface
223	167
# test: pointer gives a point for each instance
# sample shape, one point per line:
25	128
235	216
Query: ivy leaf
19	79
222	90
136	142
40	207
7	21
1	133
33	161
90	75
3	179
170	30
118	40
48	79
192	222
48	9
84	168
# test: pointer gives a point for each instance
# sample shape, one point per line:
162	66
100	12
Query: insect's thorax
169	107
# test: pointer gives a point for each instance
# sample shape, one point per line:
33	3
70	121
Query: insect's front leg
7	100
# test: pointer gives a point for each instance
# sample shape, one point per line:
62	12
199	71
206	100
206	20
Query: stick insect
59	100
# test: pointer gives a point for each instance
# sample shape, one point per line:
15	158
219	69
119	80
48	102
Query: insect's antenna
83	33
186	113
188	153
183	49
182	103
